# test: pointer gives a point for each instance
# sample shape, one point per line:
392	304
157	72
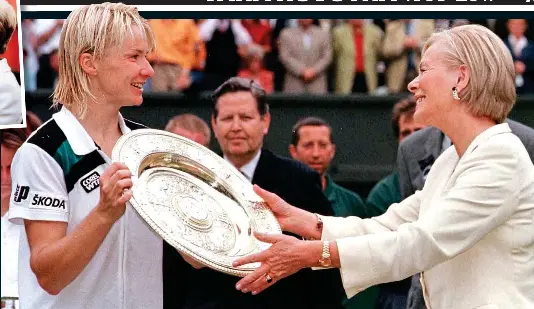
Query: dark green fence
365	145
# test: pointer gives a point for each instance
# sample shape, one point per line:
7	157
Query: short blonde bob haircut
93	29
490	91
8	24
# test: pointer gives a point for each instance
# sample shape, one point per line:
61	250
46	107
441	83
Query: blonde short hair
8	24
191	123
490	91
92	29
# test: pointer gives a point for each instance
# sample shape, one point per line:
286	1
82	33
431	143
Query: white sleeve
483	196
242	36
396	215
10	100
41	26
206	29
39	191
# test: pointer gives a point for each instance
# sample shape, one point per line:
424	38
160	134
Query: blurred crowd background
293	56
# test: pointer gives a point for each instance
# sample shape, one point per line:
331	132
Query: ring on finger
268	278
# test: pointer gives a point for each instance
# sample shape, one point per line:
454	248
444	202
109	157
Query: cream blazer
470	231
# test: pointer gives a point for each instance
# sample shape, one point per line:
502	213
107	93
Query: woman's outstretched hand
291	219
285	257
280	208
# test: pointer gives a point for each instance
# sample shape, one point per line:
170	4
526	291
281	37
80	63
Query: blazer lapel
431	151
261	174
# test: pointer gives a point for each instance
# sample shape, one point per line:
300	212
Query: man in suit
357	48
240	120
415	157
522	50
306	53
403	41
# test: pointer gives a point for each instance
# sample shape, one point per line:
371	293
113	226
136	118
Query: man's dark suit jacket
186	287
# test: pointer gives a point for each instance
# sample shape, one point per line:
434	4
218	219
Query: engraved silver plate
195	200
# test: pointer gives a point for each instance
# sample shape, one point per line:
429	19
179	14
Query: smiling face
120	75
432	88
238	126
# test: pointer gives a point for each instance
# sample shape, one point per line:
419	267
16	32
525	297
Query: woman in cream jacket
470	231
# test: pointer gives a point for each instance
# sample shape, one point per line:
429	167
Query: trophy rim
223	165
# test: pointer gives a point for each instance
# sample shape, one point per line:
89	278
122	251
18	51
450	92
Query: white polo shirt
55	177
10	258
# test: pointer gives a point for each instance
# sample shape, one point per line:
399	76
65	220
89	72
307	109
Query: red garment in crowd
264	78
358	48
259	31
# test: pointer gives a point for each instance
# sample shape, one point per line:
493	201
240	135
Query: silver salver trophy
195	200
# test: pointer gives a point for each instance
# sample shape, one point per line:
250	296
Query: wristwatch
325	259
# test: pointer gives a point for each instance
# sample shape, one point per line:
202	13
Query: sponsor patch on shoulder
40	200
90	182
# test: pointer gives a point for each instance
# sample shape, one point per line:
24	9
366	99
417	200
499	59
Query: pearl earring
455	93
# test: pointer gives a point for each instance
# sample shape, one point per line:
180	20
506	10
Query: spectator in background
10	94
190	126
522	51
227	42
402	45
386	192
47	33
30	61
312	144
11	140
260	32
306	53
357	48
254	69
178	46
272	59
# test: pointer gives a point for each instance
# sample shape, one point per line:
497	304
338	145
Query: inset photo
12	106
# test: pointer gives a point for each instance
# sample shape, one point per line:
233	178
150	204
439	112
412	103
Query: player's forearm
57	264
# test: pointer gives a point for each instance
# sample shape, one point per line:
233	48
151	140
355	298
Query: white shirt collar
78	138
249	168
